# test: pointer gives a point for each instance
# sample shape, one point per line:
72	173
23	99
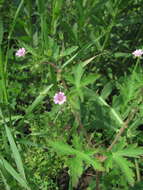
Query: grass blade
15	17
15	152
7	187
15	175
1	31
38	100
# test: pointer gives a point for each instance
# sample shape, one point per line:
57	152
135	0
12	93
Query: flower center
60	97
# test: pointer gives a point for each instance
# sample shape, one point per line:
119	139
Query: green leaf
65	149
15	18
68	51
38	100
7	187
13	118
15	175
15	152
78	72
124	165
86	62
109	163
62	148
77	142
130	152
69	61
106	90
89	79
1	31
121	54
76	168
113	111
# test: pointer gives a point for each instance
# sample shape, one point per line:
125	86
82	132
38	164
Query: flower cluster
60	97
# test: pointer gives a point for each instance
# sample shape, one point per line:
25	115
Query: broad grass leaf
15	152
13	118
121	54
15	18
15	175
1	31
7	187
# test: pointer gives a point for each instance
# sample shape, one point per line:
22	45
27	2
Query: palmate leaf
65	149
76	157
62	148
76	168
124	166
130	152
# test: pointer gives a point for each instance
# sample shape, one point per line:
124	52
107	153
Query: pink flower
59	98
21	52
138	53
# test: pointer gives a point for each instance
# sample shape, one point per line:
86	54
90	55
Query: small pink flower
138	53
21	52
59	98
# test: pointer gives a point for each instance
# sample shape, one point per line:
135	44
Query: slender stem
136	65
97	180
117	137
137	170
130	117
57	116
120	121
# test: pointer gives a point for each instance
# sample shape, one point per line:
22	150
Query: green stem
3	77
136	65
137	170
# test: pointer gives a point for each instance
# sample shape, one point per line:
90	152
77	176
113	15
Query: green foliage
15	175
84	49
125	168
76	158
